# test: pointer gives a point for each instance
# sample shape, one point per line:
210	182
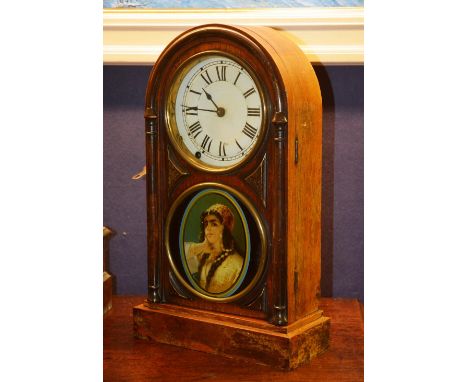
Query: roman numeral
221	72
222	149
238	145
237	78
191	110
194	127
208	80
253	111
193	91
206	142
249	92
250	131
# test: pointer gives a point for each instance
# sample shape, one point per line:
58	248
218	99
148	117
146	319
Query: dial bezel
171	124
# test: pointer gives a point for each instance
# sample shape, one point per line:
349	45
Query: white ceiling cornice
326	35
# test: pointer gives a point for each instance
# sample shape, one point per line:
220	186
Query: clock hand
219	110
214	111
210	98
188	108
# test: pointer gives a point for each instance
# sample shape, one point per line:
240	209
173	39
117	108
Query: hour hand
220	111
210	98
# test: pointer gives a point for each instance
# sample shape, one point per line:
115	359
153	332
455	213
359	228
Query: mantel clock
233	154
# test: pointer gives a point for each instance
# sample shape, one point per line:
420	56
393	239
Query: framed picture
214	243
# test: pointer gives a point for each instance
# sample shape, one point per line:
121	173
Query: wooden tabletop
130	359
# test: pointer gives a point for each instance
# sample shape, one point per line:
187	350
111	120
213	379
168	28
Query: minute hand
213	111
188	108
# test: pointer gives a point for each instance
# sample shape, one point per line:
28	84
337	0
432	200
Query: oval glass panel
214	243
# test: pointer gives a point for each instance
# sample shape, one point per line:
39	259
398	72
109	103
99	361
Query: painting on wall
229	4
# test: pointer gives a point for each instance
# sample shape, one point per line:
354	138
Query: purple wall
343	178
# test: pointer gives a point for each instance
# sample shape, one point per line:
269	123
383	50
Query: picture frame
214	243
249	224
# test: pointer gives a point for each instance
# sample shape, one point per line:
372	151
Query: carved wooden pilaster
153	235
279	314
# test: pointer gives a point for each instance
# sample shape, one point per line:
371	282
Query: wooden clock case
278	321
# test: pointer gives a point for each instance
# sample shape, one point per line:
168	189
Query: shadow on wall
328	144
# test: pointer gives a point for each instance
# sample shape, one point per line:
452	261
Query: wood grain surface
290	209
129	359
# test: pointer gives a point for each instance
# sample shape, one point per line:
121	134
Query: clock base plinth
231	336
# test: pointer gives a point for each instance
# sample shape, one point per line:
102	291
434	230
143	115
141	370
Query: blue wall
343	178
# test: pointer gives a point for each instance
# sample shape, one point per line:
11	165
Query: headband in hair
224	212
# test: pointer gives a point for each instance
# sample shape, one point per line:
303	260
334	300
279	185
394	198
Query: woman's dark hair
213	267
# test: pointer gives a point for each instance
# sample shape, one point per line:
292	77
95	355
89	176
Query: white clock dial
218	111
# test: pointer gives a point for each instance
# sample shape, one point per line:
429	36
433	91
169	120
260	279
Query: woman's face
213	229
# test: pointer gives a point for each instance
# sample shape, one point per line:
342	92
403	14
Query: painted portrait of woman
216	262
